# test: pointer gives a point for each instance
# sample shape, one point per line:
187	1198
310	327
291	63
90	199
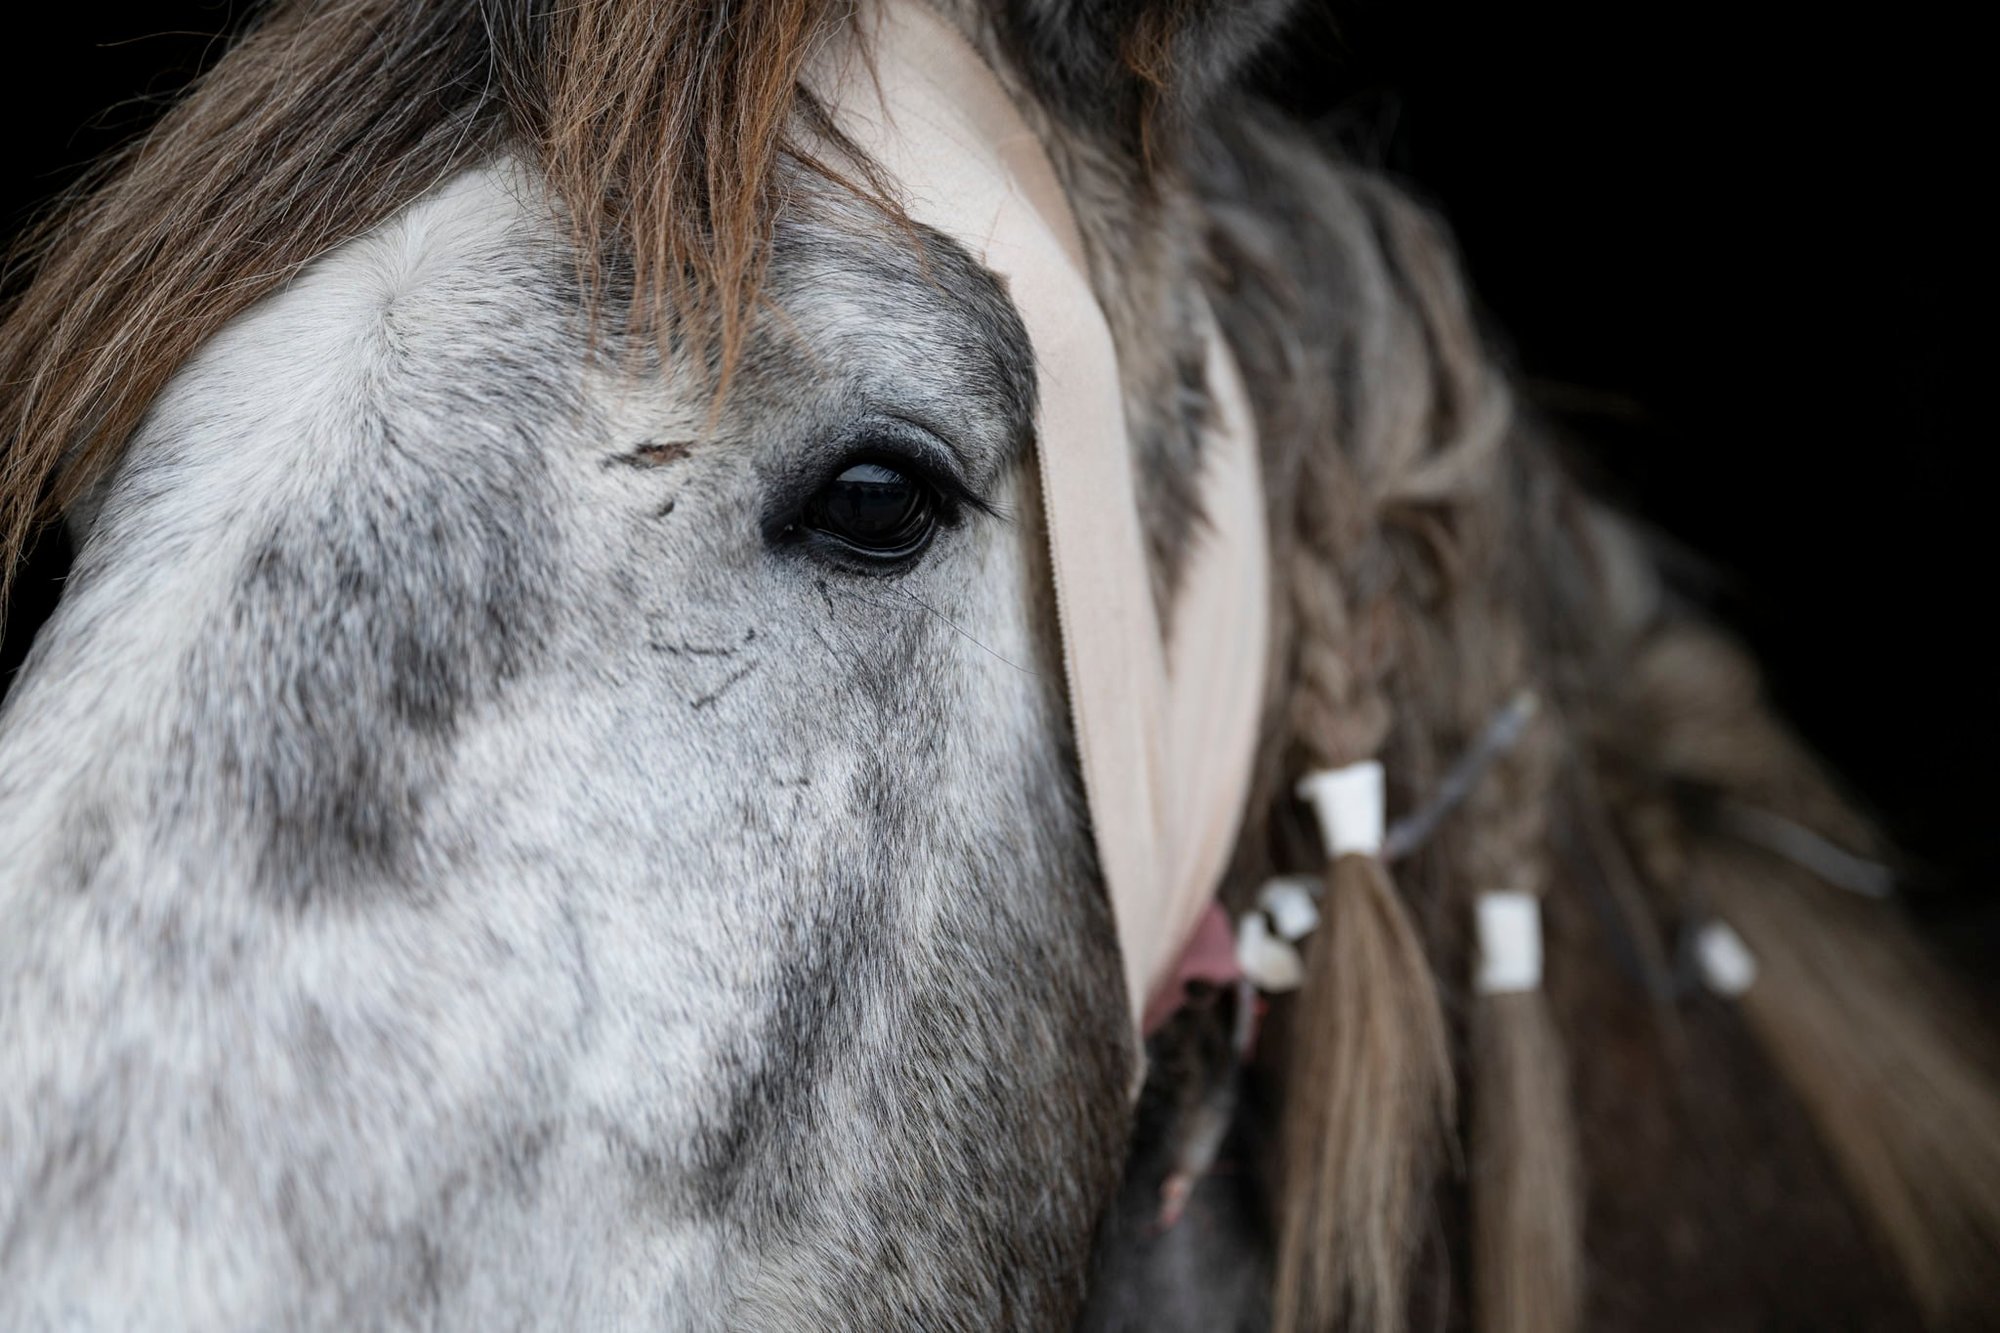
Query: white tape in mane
1165	731
1510	943
1348	804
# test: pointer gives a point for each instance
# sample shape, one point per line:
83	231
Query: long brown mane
1438	561
659	125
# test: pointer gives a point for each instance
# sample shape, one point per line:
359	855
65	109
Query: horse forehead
444	300
468	298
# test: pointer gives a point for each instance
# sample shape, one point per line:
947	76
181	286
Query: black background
1732	255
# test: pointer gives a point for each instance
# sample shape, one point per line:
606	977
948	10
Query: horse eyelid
921	448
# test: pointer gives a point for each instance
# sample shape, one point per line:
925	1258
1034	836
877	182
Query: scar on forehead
653	453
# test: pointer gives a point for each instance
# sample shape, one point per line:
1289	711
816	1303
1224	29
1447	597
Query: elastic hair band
1267	936
1726	964
1269	960
1510	943
1348	802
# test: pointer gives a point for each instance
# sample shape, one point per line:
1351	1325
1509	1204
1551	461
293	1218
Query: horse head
552	795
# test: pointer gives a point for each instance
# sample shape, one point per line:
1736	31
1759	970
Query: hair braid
1407	636
1370	1078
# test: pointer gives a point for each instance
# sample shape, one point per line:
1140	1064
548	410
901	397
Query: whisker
850	661
956	627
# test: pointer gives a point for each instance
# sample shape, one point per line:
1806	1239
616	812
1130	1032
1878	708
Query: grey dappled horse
508	829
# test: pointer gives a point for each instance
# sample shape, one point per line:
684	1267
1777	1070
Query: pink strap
1208	959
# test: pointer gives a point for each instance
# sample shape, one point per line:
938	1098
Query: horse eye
875	509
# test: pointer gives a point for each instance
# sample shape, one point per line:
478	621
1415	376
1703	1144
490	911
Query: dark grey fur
1080	55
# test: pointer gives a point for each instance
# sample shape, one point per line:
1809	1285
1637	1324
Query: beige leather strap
1165	731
